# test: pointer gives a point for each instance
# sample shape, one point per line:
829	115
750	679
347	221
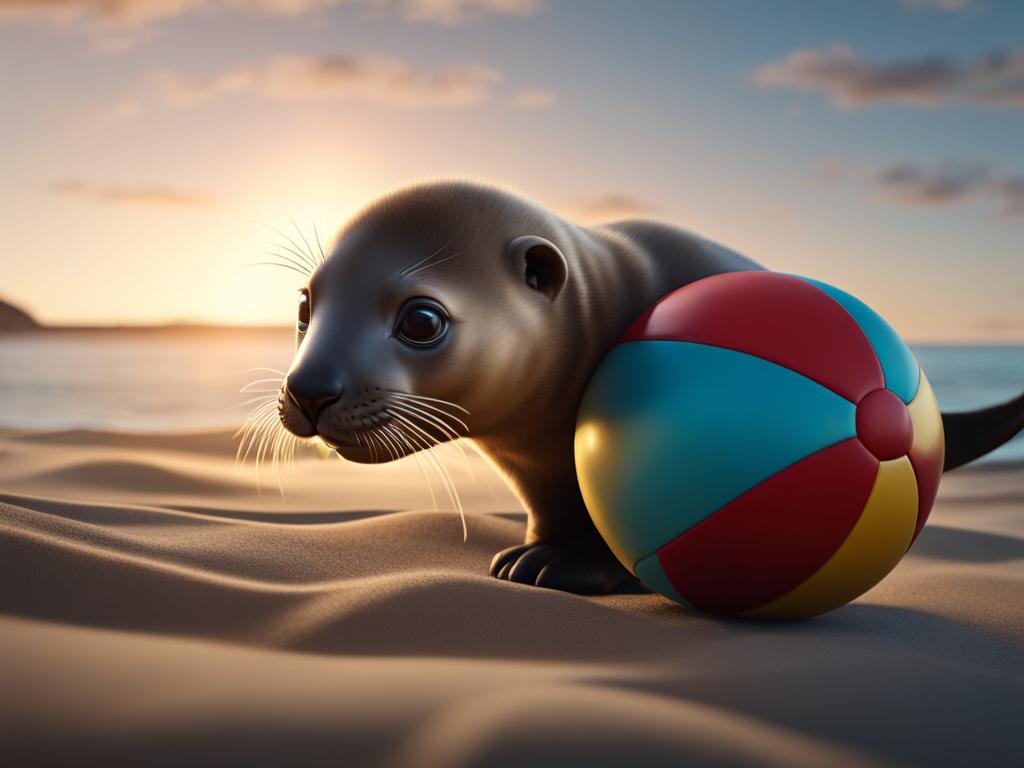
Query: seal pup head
427	321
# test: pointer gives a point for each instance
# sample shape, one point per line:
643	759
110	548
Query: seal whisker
289	259
297	249
425	267
243	433
452	435
414	452
479	452
293	248
283	453
411	267
385	445
309	248
426	436
453	492
440	422
263	433
309	265
263	429
319	245
255	416
371	446
260	399
416	268
388	432
254	430
407	400
260	381
267	370
443	426
449	483
389	444
430	399
408	449
261	453
415	409
275	457
266	400
376	444
264	413
277	264
426	478
271	448
287	456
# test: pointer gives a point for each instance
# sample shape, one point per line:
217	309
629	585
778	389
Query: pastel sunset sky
148	145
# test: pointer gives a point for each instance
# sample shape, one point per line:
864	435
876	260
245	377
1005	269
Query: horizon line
214	327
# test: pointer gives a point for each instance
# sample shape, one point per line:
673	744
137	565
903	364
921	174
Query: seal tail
970	435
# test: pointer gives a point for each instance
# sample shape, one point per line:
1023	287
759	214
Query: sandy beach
158	608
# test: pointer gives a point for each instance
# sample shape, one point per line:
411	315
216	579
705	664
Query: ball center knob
884	425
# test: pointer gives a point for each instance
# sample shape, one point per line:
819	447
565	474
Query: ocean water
141	382
134	381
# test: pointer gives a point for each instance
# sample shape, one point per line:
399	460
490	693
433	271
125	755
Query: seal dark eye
302	324
422	323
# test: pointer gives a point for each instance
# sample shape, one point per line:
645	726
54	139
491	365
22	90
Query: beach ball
759	445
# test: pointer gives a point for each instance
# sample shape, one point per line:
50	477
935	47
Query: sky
151	148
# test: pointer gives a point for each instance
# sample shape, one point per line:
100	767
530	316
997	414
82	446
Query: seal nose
311	395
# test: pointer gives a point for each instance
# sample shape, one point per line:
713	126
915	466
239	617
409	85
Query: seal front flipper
583	569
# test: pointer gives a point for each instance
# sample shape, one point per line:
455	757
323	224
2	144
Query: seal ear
544	267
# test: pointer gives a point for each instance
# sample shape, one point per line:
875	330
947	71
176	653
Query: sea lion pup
455	309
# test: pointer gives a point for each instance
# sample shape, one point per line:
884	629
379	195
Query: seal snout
312	394
312	405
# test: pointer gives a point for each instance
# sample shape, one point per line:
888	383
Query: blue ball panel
672	431
650	573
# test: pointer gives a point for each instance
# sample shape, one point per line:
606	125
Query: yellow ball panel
593	447
929	439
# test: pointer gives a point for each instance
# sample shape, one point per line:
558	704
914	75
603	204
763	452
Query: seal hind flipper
972	434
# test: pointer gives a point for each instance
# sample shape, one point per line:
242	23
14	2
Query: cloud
999	326
910	184
128	194
1011	192
444	12
831	170
112	11
378	79
607	207
533	97
913	185
850	81
947	6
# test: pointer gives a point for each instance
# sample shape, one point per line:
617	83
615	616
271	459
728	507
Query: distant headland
13	319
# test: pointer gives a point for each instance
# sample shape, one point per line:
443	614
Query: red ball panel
775	317
884	425
775	536
928	469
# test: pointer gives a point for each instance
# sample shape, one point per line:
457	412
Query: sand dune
157	608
